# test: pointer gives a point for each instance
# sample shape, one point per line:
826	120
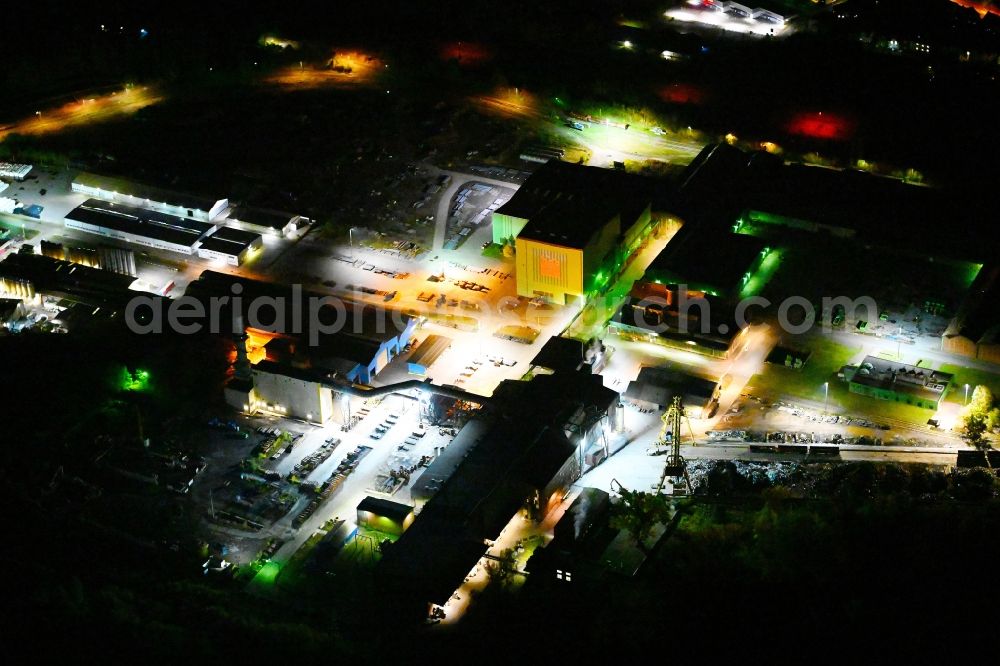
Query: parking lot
49	188
391	427
470	211
320	473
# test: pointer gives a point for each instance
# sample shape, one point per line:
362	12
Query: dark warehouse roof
566	204
139	222
386	508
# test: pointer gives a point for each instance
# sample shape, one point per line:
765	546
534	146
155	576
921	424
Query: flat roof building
725	188
657	387
560	354
384	515
122	191
229	245
527	456
296	392
25	275
142	226
365	341
704	325
705	260
440	470
429	350
900	382
572	227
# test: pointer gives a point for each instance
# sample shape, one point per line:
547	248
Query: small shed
384	515
427	353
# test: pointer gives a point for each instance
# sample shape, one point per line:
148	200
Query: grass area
856	404
971	376
493	251
293	571
363	549
531	544
13	227
807	383
268	574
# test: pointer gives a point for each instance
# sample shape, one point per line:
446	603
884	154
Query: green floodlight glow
134	381
754	281
268	574
974	272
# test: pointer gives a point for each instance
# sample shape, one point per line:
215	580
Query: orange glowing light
97	108
343	68
256	340
550	267
509	103
982	8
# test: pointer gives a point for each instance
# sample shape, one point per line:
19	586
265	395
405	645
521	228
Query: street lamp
966	394
826	395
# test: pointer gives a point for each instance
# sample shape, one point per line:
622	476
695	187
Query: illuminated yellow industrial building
572	228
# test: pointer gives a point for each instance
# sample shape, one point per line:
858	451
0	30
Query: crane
675	466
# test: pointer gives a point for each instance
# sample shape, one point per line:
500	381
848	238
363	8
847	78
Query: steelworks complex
574	229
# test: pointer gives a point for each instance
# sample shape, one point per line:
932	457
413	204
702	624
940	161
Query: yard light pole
826	395
966	394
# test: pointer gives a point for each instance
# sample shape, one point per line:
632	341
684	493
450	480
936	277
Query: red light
820	125
466	54
681	93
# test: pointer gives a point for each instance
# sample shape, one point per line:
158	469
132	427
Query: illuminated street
96	108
